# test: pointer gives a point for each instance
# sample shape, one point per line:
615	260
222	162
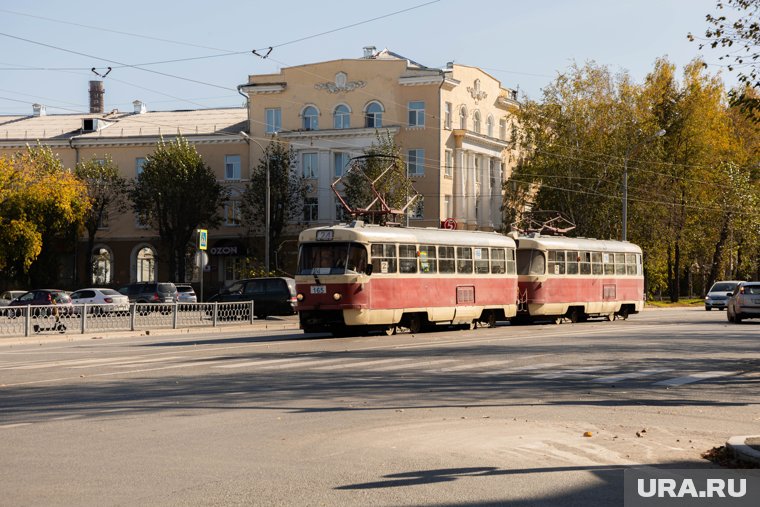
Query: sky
47	47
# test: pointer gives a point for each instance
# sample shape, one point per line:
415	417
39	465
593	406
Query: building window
373	115
417	209
448	164
139	165
503	129
447	205
463	118
415	163
417	114
341	159
476	122
234	268
273	120
232	167
232	213
103	220
447	115
310	209
310	118
146	265
489	126
101	266
310	166
342	117
492	172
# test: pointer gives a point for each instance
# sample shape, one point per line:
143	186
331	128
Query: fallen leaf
588	434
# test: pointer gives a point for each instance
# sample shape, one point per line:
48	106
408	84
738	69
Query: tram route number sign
449	224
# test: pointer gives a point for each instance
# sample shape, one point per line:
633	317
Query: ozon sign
223	250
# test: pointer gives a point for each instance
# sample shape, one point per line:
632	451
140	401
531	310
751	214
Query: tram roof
565	243
358	231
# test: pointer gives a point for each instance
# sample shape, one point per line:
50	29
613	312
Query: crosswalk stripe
261	362
573	372
306	364
362	363
53	364
471	366
520	369
129	364
416	364
696	377
632	375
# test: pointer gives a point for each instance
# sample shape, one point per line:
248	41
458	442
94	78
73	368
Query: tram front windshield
331	258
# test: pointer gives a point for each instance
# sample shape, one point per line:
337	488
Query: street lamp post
266	202
628	152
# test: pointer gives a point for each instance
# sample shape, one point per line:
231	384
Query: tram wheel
574	316
558	320
623	313
414	322
490	320
389	330
610	317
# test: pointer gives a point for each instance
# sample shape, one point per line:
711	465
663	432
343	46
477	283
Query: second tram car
577	278
360	277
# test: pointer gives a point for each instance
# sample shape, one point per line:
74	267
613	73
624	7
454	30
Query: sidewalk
746	447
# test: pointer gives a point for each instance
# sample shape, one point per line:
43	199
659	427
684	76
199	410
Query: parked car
744	302
717	296
41	297
104	300
6	298
186	293
270	296
150	292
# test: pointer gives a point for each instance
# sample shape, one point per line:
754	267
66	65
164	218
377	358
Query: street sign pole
202	246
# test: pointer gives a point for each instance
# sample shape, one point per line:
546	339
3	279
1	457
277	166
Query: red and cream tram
359	277
577	278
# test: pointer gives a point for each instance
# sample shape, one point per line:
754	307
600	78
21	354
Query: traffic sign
450	224
202	239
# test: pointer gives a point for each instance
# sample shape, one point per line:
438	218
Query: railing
91	318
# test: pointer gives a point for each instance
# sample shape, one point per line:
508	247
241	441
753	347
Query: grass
682	303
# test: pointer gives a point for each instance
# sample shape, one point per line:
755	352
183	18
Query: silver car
186	293
744	302
718	294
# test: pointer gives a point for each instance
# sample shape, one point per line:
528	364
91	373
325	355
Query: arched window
373	115
310	118
489	126
102	266
342	117
146	265
463	118
476	121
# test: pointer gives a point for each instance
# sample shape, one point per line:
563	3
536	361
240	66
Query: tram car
359	278
576	278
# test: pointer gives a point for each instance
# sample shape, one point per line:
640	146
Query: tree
108	195
737	31
41	203
176	193
287	193
394	186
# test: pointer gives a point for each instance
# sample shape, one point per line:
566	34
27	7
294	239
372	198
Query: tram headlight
337	296
299	297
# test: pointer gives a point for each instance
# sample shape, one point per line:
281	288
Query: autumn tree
42	205
108	195
286	195
177	193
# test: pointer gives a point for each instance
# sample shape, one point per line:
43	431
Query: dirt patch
724	457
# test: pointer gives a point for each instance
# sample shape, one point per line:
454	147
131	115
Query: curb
740	449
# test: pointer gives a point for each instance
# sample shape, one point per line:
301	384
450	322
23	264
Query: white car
103	300
744	303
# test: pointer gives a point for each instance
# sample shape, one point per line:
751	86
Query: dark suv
270	296
150	292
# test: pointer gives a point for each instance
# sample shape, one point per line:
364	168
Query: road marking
262	362
573	372
632	375
696	377
128	364
415	364
15	425
65	364
307	363
474	365
520	369
362	363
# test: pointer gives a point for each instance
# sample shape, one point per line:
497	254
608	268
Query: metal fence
80	319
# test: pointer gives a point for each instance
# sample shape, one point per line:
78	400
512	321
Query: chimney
38	110
139	107
96	97
369	51
449	65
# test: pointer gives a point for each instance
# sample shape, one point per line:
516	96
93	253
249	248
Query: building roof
115	125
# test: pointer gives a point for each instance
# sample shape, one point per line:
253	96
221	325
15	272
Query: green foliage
253	268
40	202
286	195
177	193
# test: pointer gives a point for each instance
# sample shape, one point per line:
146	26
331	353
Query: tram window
464	259
585	263
572	262
498	261
481	260
531	262
638	264
383	258
427	259
323	258
596	263
630	264
608	260
619	264
556	262
511	270
446	259
407	258
357	258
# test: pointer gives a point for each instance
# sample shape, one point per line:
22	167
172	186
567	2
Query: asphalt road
254	416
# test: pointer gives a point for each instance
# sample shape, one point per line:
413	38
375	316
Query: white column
496	193
326	212
485	192
458	173
471	189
